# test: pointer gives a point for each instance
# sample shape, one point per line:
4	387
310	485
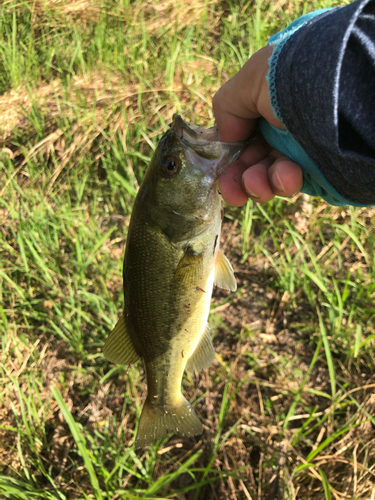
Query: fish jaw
204	152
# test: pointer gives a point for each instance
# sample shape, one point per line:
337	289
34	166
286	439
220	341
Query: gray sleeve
325	92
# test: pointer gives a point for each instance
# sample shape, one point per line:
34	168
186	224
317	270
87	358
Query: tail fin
156	422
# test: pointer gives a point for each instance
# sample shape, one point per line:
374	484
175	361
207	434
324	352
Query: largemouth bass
172	260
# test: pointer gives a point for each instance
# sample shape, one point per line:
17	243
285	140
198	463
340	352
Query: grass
86	90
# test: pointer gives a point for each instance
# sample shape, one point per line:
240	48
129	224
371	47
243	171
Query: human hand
262	171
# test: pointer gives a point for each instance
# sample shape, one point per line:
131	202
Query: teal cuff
314	182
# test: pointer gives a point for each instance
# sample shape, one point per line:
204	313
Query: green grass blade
167	479
297	397
349	232
357	343
326	485
80	442
331	368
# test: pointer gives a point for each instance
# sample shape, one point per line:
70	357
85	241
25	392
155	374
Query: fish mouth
193	134
205	148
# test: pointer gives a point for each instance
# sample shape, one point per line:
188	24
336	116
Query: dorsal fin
224	274
119	348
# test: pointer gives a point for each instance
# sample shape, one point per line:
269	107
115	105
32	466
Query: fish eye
170	166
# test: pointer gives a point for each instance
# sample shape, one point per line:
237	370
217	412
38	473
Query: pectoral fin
189	269
119	348
204	353
224	274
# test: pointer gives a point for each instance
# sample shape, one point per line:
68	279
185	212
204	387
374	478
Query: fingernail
249	193
276	182
294	194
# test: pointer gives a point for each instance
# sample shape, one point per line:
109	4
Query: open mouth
192	133
205	142
203	147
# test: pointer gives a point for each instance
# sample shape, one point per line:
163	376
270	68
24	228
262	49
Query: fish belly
164	373
166	409
167	289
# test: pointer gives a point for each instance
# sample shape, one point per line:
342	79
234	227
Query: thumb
244	98
234	119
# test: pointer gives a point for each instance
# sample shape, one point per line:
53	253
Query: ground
86	90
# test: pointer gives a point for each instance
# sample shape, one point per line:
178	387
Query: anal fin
224	274
204	353
119	348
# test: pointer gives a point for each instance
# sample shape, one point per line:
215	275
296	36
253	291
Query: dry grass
259	447
62	141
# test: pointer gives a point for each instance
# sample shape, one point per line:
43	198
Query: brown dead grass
64	143
260	447
56	11
18	363
168	13
15	105
108	98
344	460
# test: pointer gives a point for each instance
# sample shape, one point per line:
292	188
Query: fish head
181	181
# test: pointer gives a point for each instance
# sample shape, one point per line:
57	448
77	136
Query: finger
255	182
285	177
230	185
233	128
235	113
282	177
260	173
230	182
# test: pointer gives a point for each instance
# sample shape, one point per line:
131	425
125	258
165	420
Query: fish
172	260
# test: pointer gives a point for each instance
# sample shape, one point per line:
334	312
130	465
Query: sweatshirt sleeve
322	87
